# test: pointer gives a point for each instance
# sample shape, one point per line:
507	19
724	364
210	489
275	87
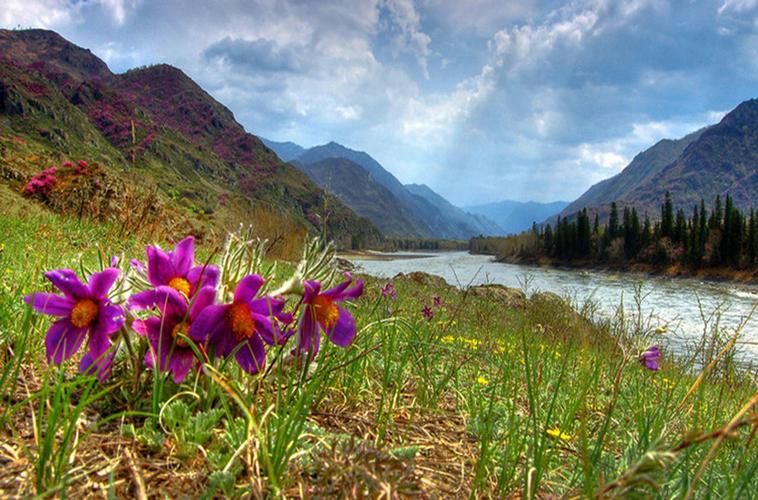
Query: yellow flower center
326	311
83	313
181	285
182	328
241	321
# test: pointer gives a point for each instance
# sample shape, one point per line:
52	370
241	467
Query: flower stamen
83	313
326	311
241	321
181	285
182	328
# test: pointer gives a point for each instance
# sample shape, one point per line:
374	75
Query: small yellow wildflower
661	329
482	380
558	434
447	339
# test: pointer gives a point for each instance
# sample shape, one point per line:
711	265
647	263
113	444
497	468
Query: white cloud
407	19
42	13
737	6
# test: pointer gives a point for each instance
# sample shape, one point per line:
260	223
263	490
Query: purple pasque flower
243	325
321	313
650	358
163	333
84	311
388	291
427	312
437	301
177	268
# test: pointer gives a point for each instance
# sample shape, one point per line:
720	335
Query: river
674	302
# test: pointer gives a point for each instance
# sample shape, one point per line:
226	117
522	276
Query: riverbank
444	392
720	274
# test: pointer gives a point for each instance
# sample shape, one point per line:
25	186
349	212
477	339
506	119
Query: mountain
717	160
286	151
428	216
475	224
155	128
644	167
517	216
359	190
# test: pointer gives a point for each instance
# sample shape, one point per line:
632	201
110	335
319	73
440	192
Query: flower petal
202	276
309	335
183	256
248	288
343	331
62	340
160	270
341	292
166	299
180	363
312	289
100	366
264	328
204	298
69	283
100	283
109	319
251	356
50	303
208	323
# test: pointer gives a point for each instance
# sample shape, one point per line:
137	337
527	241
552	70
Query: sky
481	100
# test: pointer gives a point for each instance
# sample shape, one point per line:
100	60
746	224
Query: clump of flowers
427	312
191	313
43	183
650	358
389	292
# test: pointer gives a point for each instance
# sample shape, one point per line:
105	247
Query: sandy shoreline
372	255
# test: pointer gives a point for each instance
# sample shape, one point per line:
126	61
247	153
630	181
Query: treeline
722	236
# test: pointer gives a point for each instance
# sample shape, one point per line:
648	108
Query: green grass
480	400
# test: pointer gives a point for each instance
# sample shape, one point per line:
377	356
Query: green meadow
486	395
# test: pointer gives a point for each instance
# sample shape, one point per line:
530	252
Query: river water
674	302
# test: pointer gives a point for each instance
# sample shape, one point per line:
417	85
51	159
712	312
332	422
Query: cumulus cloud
530	99
256	55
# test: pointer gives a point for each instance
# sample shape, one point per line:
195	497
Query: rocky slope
157	127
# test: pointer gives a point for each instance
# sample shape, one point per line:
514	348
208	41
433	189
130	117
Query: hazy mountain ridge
286	151
719	159
517	216
358	189
426	213
158	124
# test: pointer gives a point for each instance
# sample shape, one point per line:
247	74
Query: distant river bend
672	301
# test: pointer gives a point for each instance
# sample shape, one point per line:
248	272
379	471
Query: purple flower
163	332
427	312
84	311
437	302
389	292
650	358
244	325
177	270
321	313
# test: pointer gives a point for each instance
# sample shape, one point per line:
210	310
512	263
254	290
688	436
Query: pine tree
667	217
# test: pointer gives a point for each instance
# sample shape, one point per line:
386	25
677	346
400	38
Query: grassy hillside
156	131
488	393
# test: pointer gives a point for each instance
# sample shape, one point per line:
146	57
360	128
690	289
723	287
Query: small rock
424	279
510	297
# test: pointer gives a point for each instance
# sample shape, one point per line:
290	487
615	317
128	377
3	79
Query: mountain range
517	216
156	129
364	185
715	161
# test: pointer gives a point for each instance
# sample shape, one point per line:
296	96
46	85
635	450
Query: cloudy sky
482	100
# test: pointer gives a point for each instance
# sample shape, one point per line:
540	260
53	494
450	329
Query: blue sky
483	101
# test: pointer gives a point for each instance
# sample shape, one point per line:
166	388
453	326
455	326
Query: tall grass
481	399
